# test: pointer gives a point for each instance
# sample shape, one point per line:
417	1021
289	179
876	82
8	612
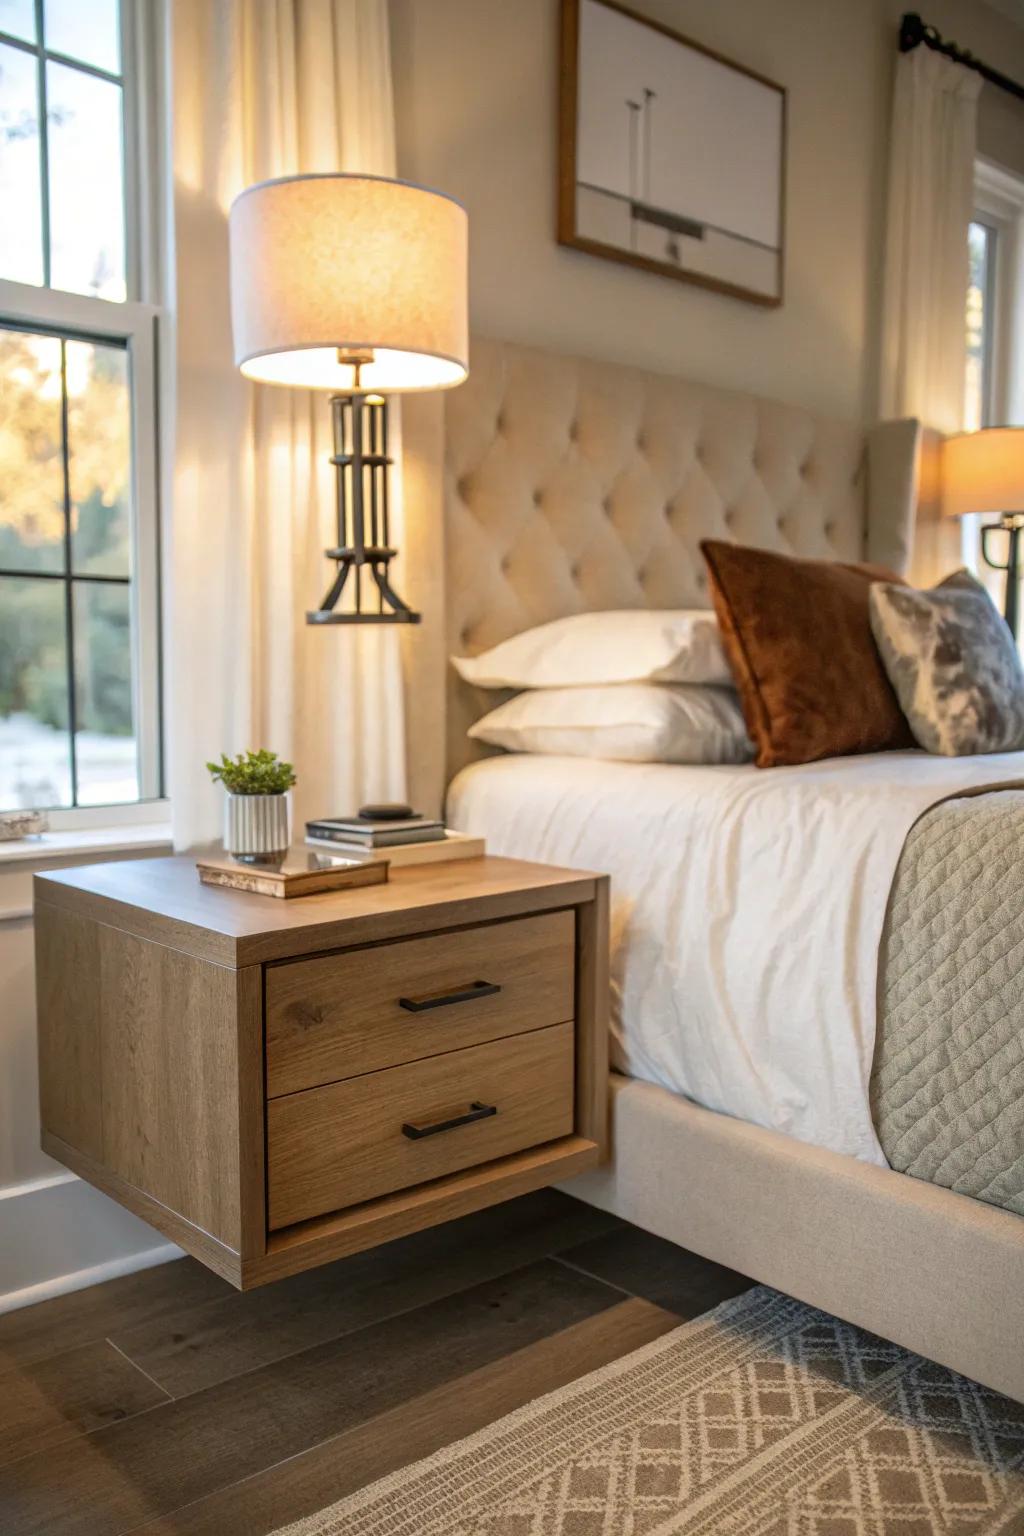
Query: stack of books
404	840
374	834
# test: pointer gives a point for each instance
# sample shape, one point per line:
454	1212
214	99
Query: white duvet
747	910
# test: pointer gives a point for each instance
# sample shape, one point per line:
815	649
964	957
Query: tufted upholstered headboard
574	485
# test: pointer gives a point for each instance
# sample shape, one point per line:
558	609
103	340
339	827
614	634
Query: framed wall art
671	157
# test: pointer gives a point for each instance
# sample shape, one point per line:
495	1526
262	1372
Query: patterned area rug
762	1418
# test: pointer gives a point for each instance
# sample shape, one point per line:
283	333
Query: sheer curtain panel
265	88
931	179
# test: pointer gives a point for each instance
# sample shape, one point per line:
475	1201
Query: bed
759	1116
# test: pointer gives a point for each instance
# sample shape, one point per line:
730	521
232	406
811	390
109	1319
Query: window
79	600
62	115
994	379
994	385
981	248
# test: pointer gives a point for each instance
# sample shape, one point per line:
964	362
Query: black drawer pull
467	995
476	1111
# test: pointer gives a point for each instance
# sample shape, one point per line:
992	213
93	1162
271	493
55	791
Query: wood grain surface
159	1042
593	992
332	1147
112	1480
163	899
46	1403
286	1399
411	1210
341	1015
68	1008
170	1076
317	1478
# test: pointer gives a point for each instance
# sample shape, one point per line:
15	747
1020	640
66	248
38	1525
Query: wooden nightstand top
164	900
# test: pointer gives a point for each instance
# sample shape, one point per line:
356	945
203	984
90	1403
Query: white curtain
931	180
265	88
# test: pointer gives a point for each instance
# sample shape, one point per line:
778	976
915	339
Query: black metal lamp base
329	616
1012	524
363	554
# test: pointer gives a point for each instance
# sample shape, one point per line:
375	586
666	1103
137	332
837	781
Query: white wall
476	94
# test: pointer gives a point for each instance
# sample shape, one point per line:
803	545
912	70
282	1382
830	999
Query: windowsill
87	840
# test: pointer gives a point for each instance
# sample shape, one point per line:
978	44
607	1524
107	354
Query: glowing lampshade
983	471
349	283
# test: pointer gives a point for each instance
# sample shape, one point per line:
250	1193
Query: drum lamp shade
330	269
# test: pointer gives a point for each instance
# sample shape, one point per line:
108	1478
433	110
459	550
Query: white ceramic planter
255	826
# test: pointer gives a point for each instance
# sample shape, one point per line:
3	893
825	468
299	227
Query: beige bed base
937	1272
551	485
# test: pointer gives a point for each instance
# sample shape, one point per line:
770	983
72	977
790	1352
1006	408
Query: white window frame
136	323
999	204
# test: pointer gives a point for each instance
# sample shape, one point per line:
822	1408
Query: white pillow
636	645
629	722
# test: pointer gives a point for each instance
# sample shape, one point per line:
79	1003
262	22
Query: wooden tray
299	872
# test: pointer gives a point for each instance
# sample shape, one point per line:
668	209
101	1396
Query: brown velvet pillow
797	634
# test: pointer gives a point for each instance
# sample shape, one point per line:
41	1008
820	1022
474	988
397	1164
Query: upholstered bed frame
549	485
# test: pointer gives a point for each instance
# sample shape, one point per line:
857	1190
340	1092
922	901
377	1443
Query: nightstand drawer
333	1147
341	1015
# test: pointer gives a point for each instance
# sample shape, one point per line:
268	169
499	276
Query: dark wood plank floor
167	1404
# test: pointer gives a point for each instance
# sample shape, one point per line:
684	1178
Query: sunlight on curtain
266	88
931	181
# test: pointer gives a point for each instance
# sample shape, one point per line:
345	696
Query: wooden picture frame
715	218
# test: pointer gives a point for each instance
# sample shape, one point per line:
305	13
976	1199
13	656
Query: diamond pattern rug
765	1417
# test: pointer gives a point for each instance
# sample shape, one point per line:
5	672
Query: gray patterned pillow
954	665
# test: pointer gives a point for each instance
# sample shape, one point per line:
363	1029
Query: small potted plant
256	806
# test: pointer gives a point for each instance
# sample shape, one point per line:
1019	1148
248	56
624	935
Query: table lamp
984	472
357	285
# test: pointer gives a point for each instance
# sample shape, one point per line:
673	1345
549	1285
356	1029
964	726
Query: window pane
43	382
35	765
86	183
979	251
21	226
31	461
99	448
108	772
18	19
85	29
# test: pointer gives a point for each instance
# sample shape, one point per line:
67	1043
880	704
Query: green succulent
253	773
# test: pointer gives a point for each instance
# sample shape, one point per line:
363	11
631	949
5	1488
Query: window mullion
993	257
146	571
69	595
999	198
131	145
57	311
44	145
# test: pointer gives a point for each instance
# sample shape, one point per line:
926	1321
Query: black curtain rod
914	32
